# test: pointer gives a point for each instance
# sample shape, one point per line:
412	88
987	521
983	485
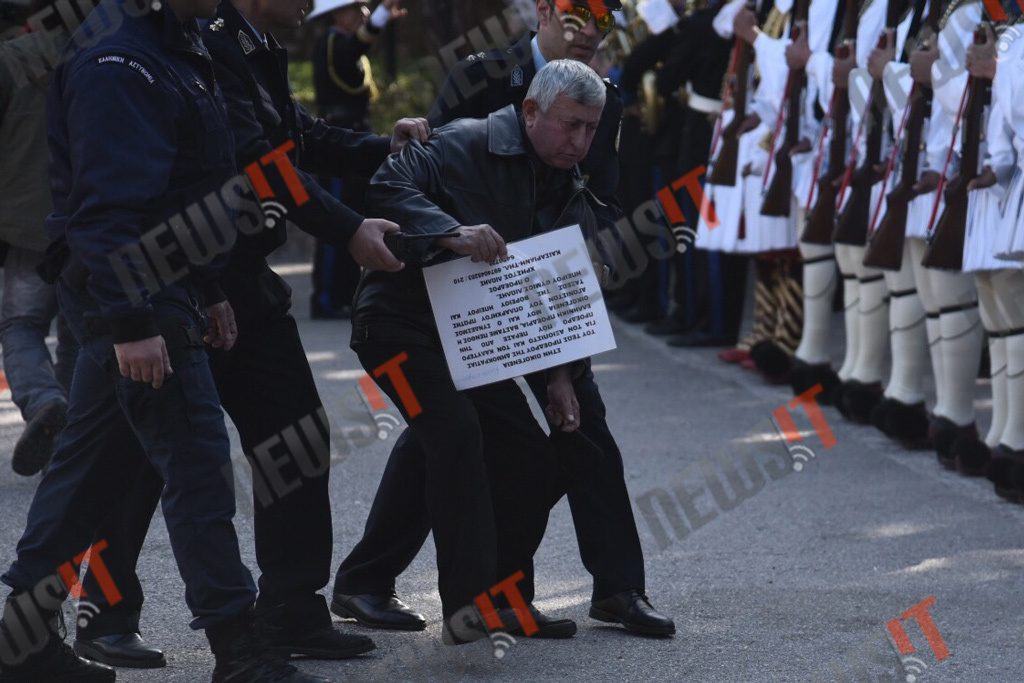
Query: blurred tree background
405	57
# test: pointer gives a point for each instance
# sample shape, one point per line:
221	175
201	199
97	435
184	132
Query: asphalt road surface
771	574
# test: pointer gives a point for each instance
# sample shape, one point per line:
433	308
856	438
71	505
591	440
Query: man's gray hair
568	77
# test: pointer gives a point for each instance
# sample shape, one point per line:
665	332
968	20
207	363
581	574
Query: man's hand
222	332
981	59
802	147
880	56
928	182
798	53
367	246
748	124
145	360
921	63
479	241
987	178
744	25
563	411
396	9
842	66
409	129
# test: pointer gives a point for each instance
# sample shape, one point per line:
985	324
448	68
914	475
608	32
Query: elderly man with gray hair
473	466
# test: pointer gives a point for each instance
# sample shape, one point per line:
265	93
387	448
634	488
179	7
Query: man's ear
530	111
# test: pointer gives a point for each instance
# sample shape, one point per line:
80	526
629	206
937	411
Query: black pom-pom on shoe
971	456
860	399
772	361
906	423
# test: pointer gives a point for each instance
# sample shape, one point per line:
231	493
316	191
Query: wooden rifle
946	243
723	171
821	222
778	197
852	224
885	245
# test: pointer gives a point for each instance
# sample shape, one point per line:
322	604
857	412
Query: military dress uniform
989	252
345	88
778	296
953	325
265	382
900	411
692	73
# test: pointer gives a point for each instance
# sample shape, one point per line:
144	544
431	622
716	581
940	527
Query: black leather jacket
469	172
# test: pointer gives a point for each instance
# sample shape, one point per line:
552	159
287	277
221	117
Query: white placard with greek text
539	308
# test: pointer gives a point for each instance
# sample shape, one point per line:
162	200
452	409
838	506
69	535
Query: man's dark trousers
601	510
266	386
114	425
508	492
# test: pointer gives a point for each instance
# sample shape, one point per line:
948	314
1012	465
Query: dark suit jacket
486	82
470	172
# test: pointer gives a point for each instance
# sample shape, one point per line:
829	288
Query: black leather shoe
127	650
547	627
378	610
633	610
56	662
321	643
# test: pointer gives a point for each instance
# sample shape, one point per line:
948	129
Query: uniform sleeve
405	187
770	56
897	83
459	96
122	139
322	215
722	22
330	150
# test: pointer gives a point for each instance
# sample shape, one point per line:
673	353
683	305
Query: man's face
283	13
561	136
553	32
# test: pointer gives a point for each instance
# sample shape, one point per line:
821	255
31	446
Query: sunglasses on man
585	11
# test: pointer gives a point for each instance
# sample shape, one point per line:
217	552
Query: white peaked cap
325	6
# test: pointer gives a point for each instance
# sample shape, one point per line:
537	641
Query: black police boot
304	628
633	610
35	445
242	657
55	662
378	610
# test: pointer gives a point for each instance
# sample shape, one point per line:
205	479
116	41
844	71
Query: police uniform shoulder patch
517	76
129	62
245	41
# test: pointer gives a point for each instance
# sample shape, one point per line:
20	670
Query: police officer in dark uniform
265	381
137	132
606	530
344	86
